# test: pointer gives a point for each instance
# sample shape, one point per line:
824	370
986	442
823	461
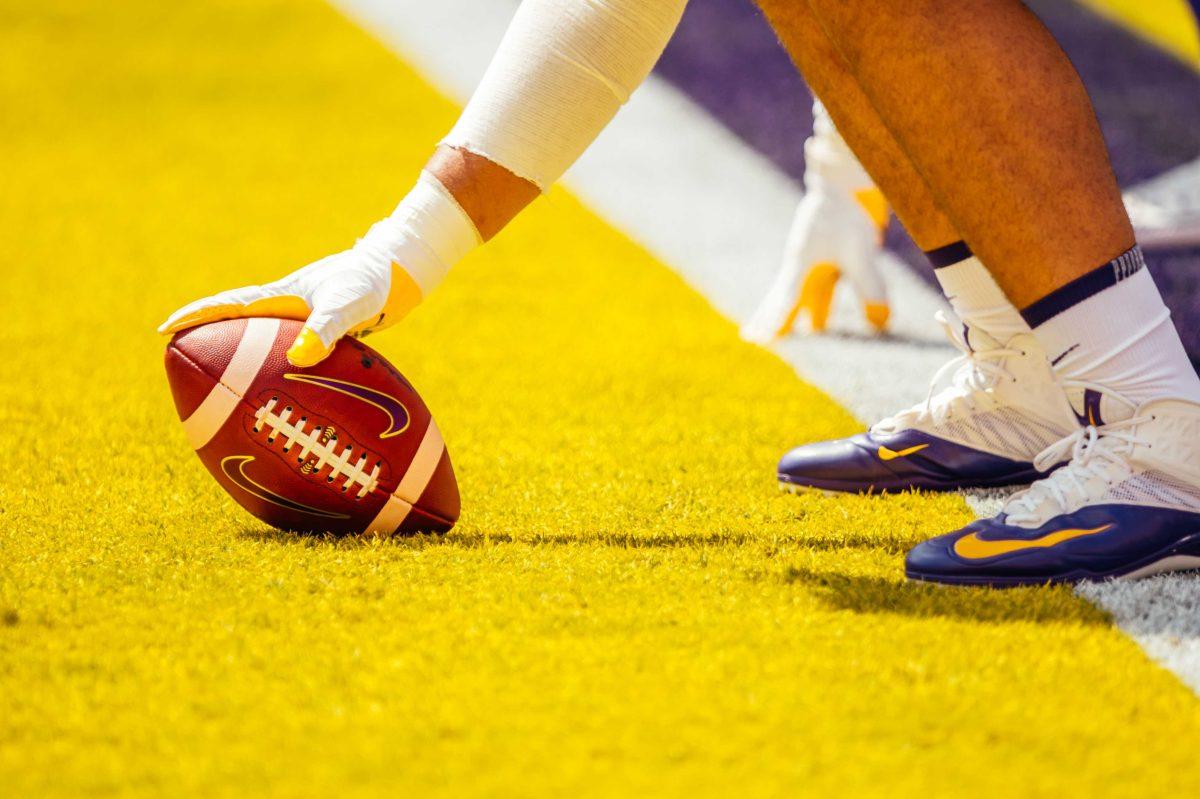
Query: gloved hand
832	237
369	287
355	292
837	232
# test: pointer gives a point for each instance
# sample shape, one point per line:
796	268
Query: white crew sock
973	293
1111	328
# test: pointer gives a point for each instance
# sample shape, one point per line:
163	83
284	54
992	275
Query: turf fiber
628	606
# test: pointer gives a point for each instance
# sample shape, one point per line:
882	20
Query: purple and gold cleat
1127	505
875	462
1002	407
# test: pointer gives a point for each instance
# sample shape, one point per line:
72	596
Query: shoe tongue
977	339
1171	406
1096	407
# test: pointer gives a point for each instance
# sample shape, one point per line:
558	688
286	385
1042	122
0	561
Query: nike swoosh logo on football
886	454
234	467
972	547
398	418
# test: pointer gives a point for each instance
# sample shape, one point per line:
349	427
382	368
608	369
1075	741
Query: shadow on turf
855	593
618	540
888	338
273	535
866	594
800	540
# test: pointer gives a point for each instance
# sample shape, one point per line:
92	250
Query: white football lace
326	453
970	375
1104	452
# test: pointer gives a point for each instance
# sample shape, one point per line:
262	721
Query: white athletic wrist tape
827	157
426	235
562	71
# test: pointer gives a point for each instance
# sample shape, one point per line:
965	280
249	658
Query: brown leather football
346	446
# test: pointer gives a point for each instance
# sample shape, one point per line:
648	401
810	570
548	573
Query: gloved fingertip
308	349
170	327
877	314
876	206
182	321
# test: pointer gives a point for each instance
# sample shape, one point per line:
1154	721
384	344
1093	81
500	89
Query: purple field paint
1178	278
727	59
1148	102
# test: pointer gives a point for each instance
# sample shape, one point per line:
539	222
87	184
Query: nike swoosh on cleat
1068	351
886	454
972	547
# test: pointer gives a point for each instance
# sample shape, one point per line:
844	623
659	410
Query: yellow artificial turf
628	606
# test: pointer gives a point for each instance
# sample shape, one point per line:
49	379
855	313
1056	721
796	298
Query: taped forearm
426	235
561	73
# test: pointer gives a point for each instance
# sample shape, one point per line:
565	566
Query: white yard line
679	183
1166	210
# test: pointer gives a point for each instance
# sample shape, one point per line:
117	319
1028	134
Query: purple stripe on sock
725	57
1178	278
1125	265
949	255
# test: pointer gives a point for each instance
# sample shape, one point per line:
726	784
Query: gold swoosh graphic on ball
234	467
397	414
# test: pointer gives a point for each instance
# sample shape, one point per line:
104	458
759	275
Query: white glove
837	232
369	287
343	293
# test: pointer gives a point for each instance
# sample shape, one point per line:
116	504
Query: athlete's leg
994	117
990	111
996	120
1002	406
859	124
836	232
969	287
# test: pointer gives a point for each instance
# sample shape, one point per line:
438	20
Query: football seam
243	401
217	381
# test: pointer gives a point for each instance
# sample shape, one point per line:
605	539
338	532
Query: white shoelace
1094	452
970	375
339	464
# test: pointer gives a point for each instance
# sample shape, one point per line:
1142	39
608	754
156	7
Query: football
346	446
